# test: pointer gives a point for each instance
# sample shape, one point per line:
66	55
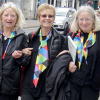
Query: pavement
31	23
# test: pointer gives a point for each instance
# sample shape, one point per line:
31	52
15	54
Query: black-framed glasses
45	16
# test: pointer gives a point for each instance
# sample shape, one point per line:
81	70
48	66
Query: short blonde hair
45	7
20	16
90	10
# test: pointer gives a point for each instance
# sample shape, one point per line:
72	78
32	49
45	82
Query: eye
6	15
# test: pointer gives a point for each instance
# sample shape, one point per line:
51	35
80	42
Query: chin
47	26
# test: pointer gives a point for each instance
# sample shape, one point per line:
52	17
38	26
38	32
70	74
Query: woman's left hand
72	67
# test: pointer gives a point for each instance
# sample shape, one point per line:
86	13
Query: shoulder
34	33
20	31
97	32
21	35
98	36
56	33
32	36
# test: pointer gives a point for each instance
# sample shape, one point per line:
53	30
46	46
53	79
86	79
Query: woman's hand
62	52
17	54
72	67
27	51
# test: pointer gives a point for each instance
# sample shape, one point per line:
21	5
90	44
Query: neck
45	31
7	32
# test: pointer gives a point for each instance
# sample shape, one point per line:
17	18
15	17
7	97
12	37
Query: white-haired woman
11	38
85	81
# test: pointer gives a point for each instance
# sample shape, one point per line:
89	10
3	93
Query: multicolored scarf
9	41
82	48
41	60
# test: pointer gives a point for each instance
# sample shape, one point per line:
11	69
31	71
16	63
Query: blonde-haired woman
47	43
85	81
11	38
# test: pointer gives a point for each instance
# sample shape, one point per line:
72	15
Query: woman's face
9	18
46	18
85	22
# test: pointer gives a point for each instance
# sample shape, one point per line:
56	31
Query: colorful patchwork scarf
41	60
82	49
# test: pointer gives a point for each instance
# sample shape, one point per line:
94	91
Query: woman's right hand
72	67
27	51
17	54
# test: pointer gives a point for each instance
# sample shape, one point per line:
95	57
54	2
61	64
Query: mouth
48	22
9	22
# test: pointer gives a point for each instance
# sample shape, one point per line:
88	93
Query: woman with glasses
85	81
47	43
12	38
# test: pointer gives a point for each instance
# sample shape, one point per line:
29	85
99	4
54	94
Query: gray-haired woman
85	81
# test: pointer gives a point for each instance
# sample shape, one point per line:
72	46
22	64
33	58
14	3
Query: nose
47	17
84	21
9	17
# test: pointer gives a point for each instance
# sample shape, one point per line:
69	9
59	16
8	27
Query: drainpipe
73	2
54	3
50	2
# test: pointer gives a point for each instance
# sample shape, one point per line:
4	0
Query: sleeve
96	70
25	59
65	46
25	42
64	43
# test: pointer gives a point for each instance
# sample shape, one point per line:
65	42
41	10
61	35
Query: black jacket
91	70
9	68
56	44
57	78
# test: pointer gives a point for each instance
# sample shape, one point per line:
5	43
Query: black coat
91	70
57	81
85	82
56	44
9	68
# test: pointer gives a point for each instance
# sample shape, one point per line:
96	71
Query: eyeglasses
45	16
85	19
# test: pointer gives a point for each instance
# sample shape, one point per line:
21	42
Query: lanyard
9	41
47	37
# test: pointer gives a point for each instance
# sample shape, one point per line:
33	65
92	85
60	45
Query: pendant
5	38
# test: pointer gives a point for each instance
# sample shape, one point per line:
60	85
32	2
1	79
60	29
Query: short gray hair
20	16
90	10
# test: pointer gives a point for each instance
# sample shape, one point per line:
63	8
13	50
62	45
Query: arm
21	57
72	67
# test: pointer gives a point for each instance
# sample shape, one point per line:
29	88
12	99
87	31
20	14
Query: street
29	30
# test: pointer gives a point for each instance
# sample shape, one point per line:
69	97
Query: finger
18	56
73	69
72	63
62	52
30	48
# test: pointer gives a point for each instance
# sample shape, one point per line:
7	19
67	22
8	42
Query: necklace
5	38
